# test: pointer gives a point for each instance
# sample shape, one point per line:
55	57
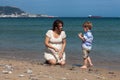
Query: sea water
24	38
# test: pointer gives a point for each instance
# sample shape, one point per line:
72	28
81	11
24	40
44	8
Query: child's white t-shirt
87	44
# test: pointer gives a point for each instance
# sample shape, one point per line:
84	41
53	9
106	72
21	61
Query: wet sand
32	70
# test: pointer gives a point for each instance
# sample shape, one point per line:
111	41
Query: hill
8	10
14	12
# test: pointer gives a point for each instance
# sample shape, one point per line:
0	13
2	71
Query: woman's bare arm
47	39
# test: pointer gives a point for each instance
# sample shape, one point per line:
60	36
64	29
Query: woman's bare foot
84	67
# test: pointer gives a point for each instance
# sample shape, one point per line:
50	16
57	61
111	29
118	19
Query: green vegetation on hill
8	10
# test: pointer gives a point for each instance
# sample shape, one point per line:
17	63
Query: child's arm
81	37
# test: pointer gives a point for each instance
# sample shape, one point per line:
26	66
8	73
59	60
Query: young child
87	39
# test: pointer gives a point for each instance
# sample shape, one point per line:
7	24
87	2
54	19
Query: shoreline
32	70
70	60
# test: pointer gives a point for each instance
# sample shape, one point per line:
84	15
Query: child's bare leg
90	61
85	63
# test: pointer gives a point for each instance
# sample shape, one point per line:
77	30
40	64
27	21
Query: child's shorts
85	53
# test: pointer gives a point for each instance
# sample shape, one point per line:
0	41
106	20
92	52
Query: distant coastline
14	12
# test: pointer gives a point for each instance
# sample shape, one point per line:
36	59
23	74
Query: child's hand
80	35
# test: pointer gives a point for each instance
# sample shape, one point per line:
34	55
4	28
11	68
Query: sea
23	38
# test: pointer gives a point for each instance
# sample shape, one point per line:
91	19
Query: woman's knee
62	63
53	62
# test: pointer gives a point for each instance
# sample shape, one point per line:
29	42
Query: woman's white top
55	42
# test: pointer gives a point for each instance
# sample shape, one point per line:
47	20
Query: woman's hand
56	50
61	54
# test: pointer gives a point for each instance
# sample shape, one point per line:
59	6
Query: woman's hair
87	24
56	23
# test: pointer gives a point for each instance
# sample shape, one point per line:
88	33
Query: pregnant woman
55	42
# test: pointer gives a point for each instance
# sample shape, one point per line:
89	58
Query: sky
67	8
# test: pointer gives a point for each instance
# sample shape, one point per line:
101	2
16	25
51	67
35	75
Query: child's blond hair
87	24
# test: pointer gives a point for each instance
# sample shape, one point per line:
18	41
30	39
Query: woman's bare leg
62	63
52	62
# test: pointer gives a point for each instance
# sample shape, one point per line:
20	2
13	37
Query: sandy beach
31	70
